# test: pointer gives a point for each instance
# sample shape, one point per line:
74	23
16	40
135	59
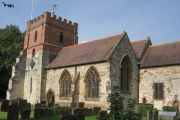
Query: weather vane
53	9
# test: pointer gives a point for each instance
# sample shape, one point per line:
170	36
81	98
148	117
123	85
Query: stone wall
123	49
169	75
16	82
109	74
33	78
53	78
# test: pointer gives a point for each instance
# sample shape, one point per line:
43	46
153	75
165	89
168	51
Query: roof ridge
135	41
163	44
98	39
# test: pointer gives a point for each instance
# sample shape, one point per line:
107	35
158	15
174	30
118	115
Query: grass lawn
91	118
3	115
57	118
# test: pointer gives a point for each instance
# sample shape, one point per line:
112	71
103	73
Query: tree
116	106
10	45
118	112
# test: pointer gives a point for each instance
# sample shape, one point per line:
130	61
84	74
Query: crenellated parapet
51	19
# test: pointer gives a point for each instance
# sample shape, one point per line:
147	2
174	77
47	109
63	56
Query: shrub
69	117
37	111
5	106
103	115
87	111
80	114
43	111
142	109
96	110
116	106
25	109
59	110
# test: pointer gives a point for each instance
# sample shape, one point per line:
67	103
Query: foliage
116	106
118	111
103	115
144	108
169	109
10	45
4	106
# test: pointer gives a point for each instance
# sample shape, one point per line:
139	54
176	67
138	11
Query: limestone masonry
54	68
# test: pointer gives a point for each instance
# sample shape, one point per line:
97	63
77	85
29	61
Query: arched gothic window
65	84
35	36
126	74
92	83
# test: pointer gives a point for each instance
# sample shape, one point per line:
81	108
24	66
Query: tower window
31	85
33	52
35	36
28	36
61	37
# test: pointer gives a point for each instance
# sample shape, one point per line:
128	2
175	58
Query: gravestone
152	115
167	115
13	111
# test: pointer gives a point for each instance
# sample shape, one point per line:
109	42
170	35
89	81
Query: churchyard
3	116
146	110
22	110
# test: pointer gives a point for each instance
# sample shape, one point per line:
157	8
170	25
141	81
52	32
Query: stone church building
54	67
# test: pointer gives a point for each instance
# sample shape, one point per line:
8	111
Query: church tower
45	36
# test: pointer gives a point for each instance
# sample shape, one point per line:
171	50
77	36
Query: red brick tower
45	36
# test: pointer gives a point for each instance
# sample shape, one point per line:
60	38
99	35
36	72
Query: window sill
65	98
125	92
92	99
158	99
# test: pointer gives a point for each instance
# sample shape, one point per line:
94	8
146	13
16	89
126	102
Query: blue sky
159	19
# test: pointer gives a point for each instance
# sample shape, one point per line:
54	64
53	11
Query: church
54	66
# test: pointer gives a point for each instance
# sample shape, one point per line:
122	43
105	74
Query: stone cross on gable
53	9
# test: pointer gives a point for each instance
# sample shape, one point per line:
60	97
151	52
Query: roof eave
157	66
65	66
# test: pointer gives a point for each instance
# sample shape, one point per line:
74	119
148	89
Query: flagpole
32	8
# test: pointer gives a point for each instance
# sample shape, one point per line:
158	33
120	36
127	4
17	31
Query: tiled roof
162	55
140	47
90	52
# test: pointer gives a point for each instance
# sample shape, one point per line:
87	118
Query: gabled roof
162	55
140	47
90	52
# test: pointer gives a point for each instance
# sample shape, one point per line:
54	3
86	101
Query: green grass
91	118
57	118
49	118
3	115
